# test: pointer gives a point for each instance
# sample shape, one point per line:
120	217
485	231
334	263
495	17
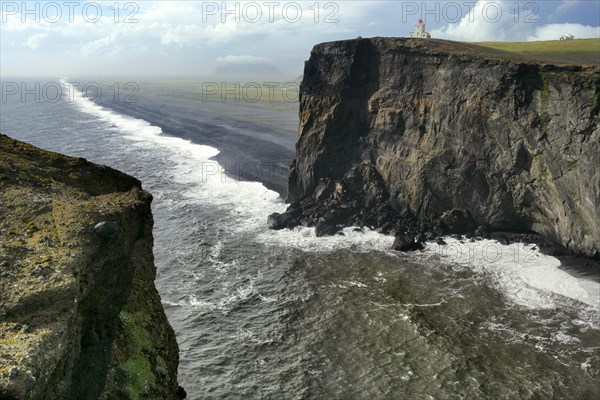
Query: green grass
137	370
140	376
578	51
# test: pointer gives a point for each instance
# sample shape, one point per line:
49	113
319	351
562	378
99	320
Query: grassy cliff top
561	52
577	52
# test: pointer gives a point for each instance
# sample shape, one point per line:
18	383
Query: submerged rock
181	393
279	221
407	243
326	229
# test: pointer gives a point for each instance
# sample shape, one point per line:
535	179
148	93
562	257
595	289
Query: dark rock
326	229
406	243
30	381
441	242
107	230
335	216
181	393
556	251
457	221
42	272
278	221
481	231
387	227
323	190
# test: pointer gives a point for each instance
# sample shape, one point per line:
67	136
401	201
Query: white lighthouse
419	31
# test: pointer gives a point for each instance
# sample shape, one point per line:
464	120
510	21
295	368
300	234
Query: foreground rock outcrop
415	135
80	317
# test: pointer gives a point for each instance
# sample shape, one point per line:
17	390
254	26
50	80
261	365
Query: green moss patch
136	374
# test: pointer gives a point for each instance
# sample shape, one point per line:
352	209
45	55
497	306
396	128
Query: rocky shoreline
422	139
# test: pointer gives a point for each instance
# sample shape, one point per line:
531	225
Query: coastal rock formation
413	135
80	317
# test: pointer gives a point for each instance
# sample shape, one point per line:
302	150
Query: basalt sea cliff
417	136
80	317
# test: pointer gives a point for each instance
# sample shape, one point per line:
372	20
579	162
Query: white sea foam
305	239
205	179
526	276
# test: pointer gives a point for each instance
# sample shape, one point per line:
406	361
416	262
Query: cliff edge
416	135
80	317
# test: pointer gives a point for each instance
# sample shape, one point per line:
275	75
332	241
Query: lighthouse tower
419	31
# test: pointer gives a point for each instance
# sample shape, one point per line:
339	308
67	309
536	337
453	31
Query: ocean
263	314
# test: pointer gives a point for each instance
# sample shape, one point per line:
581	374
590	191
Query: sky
192	38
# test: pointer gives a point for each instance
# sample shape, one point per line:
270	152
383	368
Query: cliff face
397	130
80	317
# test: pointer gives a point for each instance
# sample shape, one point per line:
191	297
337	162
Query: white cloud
484	23
555	31
242	59
34	41
101	45
180	35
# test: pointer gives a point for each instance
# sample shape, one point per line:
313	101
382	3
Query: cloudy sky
177	38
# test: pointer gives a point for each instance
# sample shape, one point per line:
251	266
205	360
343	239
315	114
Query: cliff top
578	52
559	52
